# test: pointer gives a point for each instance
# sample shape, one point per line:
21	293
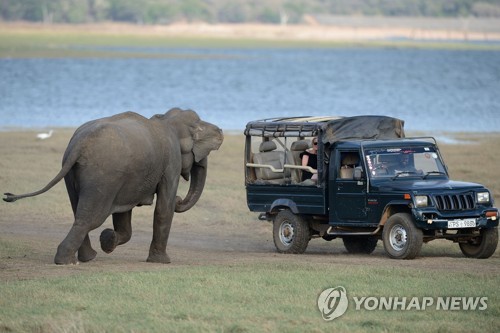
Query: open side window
276	160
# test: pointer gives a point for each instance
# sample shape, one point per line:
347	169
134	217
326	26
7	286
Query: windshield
401	161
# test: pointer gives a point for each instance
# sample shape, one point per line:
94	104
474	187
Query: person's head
315	144
405	159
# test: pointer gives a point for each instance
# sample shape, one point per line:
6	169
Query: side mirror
358	173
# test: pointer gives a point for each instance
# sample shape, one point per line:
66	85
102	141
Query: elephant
114	164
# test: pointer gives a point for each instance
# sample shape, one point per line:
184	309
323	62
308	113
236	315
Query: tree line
232	11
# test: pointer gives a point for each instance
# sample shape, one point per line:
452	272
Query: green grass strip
239	298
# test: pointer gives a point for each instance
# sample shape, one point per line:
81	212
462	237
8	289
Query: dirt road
201	245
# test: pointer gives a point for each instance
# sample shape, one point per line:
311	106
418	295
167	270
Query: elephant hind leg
86	252
77	239
122	223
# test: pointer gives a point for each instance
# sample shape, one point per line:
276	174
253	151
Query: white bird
43	136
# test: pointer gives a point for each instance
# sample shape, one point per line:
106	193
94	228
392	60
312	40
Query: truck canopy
330	128
363	127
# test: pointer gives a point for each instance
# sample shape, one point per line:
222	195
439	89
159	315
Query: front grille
455	201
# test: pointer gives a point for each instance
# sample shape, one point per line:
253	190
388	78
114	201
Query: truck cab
371	183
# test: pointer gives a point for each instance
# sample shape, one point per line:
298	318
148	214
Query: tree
195	10
233	11
126	11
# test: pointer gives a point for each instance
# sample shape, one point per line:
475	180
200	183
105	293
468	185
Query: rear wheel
291	233
483	246
402	240
360	244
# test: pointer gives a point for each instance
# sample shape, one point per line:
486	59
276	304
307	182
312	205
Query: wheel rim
286	233
398	237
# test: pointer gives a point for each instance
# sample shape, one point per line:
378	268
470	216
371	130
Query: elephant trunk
198	177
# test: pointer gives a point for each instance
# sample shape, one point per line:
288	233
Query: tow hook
263	217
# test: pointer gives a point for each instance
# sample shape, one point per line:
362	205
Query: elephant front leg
122	223
164	213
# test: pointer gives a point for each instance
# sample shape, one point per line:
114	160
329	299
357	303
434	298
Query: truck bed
300	199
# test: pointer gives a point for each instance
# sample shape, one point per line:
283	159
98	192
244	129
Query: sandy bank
303	32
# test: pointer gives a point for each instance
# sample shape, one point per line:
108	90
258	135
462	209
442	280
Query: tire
483	246
360	244
291	233
402	240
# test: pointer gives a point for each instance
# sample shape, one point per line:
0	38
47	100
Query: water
432	90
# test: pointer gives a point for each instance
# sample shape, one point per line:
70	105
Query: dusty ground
218	231
191	245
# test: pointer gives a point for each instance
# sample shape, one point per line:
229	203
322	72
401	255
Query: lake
432	90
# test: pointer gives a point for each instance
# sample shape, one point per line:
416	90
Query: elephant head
197	139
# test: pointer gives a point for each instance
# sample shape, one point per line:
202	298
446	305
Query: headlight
483	197
421	201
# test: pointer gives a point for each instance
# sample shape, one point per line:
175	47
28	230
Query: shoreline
443	138
267	32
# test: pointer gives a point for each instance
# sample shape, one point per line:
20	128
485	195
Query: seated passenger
310	158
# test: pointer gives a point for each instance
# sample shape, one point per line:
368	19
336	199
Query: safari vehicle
372	183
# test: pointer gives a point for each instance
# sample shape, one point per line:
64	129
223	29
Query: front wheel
483	246
402	240
291	233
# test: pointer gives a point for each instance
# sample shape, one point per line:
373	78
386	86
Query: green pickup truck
370	183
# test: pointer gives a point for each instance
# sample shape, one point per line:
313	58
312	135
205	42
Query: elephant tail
67	165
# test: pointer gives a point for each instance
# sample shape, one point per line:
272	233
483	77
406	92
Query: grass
239	298
473	160
80	43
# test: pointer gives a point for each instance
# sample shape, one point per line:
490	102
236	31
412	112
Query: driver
404	165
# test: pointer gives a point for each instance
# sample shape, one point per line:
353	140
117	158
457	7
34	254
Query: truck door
348	196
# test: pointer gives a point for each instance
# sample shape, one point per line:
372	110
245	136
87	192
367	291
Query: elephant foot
60	260
66	262
108	240
161	258
64	257
86	255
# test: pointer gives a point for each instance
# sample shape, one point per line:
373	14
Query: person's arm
305	159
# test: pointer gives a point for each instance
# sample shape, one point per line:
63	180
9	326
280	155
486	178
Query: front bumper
434	220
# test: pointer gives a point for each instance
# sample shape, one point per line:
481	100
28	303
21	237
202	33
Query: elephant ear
202	143
206	137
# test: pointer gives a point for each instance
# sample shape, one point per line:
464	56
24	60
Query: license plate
465	223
